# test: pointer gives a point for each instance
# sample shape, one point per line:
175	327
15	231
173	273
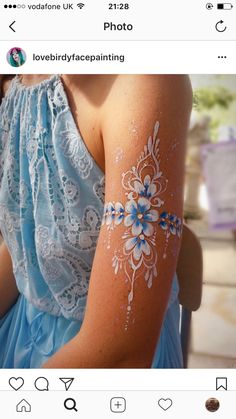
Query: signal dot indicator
10	6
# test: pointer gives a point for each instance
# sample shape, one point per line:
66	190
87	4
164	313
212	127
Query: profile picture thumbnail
212	404
16	57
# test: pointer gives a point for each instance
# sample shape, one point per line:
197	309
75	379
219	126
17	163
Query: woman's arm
8	288
138	245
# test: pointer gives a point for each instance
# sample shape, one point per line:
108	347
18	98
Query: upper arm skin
121	328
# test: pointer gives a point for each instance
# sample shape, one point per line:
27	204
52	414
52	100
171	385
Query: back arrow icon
10	26
220	29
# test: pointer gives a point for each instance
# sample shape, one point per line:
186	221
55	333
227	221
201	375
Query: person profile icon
16	57
212	404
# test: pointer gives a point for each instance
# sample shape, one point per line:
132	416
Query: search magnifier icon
70	404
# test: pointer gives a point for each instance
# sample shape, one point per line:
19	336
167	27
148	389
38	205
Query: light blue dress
51	207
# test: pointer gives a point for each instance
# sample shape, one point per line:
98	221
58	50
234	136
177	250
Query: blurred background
213	122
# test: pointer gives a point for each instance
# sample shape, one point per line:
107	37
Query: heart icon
165	404
16	383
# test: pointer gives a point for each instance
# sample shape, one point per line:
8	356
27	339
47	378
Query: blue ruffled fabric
168	352
29	337
51	207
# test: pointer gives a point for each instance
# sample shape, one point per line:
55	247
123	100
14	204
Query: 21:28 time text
119	6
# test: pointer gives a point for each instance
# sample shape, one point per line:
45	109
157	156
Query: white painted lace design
144	185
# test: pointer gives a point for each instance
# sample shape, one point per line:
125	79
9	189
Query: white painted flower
140	216
146	189
139	245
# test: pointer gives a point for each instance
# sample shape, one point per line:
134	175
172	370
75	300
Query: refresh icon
220	27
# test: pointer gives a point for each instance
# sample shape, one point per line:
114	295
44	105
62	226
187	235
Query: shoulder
111	90
139	91
121	97
141	100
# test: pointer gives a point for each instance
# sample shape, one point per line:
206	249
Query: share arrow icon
67	382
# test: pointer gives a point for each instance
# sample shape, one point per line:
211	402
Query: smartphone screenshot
117	209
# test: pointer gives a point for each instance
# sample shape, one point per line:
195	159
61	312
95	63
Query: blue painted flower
113	213
163	225
110	213
171	222
120	213
147	189
140	216
139	245
164	214
173	229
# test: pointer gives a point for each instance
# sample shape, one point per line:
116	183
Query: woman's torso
51	196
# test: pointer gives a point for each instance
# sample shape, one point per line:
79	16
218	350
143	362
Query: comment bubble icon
41	384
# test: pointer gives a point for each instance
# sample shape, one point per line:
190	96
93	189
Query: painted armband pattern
141	215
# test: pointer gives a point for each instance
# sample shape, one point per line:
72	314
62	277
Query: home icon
23	406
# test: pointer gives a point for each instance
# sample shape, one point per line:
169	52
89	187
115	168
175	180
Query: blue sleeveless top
51	208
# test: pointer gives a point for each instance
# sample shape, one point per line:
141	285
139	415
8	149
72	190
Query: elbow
139	357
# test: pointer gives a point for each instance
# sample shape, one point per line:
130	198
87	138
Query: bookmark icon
67	382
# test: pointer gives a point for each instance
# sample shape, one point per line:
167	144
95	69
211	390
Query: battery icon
225	6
